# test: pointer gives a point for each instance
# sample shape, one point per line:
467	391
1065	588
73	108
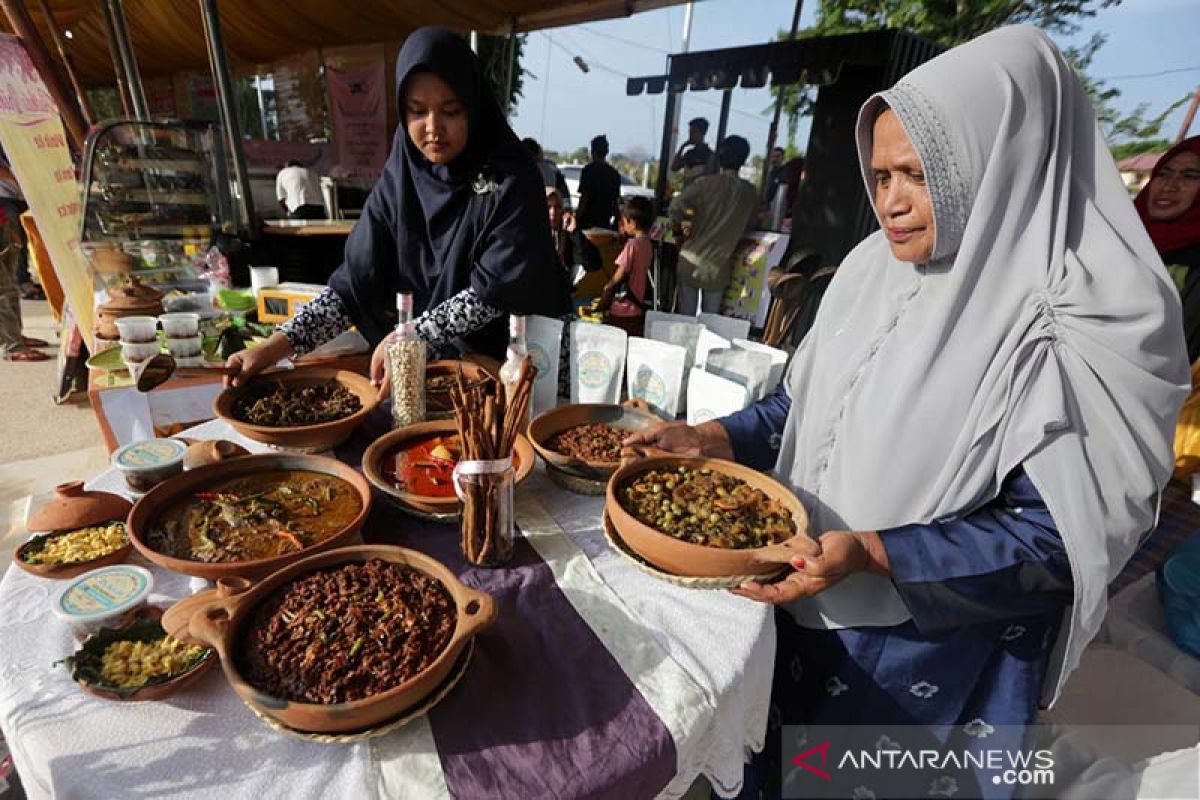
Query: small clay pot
200	454
556	420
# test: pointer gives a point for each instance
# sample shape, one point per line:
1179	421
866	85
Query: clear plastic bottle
517	353
406	360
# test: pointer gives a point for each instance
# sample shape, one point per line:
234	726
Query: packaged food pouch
655	373
727	327
711	396
707	342
543	341
597	362
749	369
779	359
675	329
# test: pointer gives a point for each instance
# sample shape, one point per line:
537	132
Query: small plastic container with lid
149	463
186	347
136	330
180	324
100	598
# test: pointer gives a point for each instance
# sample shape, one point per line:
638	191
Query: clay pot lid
134	295
74	507
202	453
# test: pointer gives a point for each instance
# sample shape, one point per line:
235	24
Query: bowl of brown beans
705	517
308	409
340	642
584	439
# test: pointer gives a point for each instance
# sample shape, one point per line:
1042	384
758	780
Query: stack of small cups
139	339
183	337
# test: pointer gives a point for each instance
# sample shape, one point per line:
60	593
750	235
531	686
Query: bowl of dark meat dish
584	439
307	409
339	642
441	377
249	516
705	517
413	466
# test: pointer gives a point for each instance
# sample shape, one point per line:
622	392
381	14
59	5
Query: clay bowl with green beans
705	517
306	409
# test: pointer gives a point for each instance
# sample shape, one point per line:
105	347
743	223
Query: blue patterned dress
986	590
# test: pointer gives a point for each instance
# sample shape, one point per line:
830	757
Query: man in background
723	206
599	194
695	158
298	192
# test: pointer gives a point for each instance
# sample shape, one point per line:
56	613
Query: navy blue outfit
986	590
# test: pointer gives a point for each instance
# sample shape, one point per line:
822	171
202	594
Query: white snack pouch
747	368
707	342
675	329
597	362
655	374
728	327
543	340
711	396
779	359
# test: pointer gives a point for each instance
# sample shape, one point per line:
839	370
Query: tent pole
110	33
511	50
723	124
85	105
664	156
1188	117
773	132
233	134
22	25
133	79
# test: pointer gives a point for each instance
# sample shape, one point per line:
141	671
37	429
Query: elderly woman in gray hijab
980	420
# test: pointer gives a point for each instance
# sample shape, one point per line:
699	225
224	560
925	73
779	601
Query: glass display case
155	182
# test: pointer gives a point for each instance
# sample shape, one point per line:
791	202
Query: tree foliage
497	55
952	22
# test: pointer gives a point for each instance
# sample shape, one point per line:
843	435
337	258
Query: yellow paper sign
36	146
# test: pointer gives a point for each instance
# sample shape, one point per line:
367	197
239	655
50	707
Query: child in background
623	294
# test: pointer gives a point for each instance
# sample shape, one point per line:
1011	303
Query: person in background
723	206
625	292
14	345
552	177
457	219
775	175
12	201
1169	206
563	230
695	158
793	176
298	192
599	194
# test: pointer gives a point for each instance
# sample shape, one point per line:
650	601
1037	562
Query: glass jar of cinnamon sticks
488	421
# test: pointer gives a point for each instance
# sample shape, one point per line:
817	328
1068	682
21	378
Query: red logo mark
802	760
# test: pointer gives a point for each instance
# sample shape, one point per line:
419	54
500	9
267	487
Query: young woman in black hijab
458	219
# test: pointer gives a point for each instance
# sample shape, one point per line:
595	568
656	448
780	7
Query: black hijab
435	230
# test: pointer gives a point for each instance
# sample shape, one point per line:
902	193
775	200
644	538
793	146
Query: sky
564	108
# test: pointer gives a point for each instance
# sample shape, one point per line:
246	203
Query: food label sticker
153	453
102	592
595	369
539	358
650	386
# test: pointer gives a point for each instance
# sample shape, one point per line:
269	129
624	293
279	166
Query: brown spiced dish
347	632
274	404
707	507
596	442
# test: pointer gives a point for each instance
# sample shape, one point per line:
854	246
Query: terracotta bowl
372	464
551	422
693	560
437	404
155	502
62	571
156	691
218	617
307	438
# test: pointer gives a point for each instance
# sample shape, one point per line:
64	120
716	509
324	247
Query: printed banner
748	296
36	146
358	116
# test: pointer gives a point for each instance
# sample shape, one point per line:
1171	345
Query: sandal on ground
26	355
29	341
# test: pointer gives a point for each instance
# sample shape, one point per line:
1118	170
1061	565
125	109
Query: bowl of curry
249	516
414	465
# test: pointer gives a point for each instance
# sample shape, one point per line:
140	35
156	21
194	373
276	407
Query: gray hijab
1044	332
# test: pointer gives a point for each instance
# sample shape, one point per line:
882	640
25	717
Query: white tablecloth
705	670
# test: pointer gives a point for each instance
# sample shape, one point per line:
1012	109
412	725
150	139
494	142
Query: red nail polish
798	562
